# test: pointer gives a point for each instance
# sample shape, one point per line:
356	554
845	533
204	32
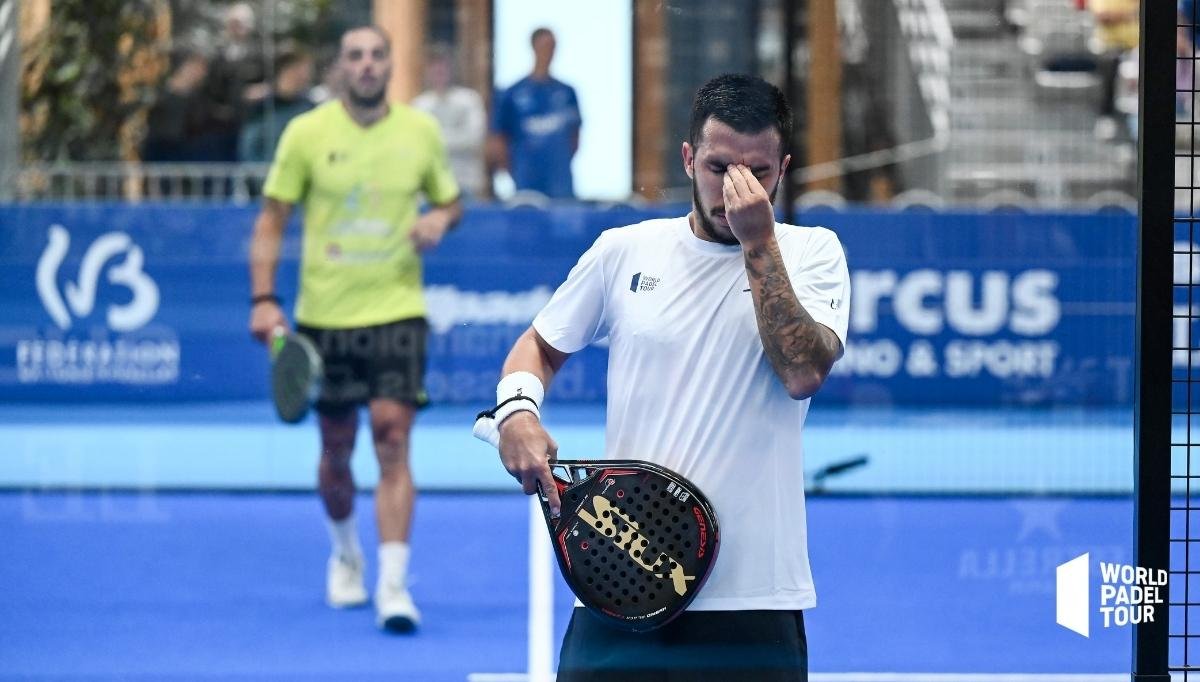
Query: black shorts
363	363
698	646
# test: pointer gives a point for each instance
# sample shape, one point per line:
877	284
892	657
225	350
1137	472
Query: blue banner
114	302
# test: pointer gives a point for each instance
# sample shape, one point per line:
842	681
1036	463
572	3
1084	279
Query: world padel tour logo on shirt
1129	595
642	282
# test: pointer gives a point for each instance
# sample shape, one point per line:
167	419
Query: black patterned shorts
363	363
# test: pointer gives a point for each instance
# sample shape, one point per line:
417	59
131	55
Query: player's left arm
442	190
430	227
801	350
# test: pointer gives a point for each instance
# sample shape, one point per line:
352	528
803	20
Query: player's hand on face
526	451
265	318
427	231
747	205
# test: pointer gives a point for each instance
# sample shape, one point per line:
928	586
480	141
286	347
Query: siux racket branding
625	534
635	541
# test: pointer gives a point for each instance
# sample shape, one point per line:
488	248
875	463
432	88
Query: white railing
242	183
133	182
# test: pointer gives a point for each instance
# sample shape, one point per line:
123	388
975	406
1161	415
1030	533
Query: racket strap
487	422
491	414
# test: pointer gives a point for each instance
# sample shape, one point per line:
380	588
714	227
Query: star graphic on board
1039	515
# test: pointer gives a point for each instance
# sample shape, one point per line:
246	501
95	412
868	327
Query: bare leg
391	427
334	478
391	424
344	580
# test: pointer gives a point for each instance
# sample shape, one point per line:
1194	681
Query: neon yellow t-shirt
359	191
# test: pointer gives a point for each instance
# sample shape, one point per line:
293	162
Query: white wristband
528	391
506	410
519	384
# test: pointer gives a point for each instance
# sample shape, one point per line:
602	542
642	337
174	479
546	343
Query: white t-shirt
689	386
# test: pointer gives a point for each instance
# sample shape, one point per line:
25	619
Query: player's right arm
266	313
284	187
526	449
573	318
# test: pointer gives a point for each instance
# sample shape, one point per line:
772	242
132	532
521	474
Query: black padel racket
635	541
296	371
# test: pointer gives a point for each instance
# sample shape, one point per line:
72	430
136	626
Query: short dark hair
182	55
387	39
289	56
746	103
539	32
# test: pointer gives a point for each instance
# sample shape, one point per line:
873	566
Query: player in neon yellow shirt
358	165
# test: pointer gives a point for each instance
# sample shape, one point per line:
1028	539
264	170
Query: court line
968	677
541	599
888	677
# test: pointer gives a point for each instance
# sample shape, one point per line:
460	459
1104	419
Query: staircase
1013	140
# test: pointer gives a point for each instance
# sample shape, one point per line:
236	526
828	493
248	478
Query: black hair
539	32
288	56
746	103
184	54
387	39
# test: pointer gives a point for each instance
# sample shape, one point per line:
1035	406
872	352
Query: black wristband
263	298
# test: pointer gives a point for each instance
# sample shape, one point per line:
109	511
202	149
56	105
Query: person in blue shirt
535	128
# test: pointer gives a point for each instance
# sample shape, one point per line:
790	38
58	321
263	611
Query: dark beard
707	225
368	102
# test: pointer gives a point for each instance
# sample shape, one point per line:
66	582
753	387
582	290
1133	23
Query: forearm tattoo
795	343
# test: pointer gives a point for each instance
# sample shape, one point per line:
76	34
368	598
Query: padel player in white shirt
721	326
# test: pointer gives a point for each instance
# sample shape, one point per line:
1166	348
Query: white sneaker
394	608
344	587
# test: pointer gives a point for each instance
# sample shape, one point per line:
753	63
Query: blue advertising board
117	302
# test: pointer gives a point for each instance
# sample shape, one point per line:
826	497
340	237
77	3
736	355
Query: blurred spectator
329	86
178	125
536	127
1116	33
238	78
460	113
1186	42
866	125
1185	49
287	99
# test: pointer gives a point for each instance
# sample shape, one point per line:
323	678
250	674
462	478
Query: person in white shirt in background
721	326
460	113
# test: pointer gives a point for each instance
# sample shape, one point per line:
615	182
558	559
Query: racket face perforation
630	556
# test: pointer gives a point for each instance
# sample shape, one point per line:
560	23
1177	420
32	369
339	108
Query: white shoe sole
346	604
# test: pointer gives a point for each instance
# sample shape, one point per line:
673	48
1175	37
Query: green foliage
93	69
96	68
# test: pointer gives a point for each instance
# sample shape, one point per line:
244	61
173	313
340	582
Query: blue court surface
120	565
241	446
